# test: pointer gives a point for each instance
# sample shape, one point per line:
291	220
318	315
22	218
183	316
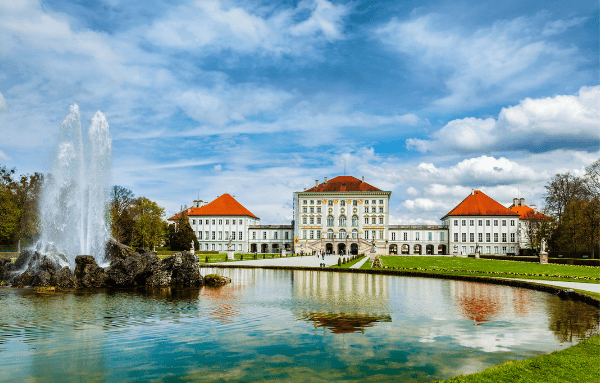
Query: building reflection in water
340	302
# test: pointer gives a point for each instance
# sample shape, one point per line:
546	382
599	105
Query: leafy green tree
121	214
25	191
9	217
149	228
181	234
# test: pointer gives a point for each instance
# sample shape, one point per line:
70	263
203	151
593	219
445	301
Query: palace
346	215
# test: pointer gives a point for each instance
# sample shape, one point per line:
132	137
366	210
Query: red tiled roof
525	212
223	205
478	203
343	183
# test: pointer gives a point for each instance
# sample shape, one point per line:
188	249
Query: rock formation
128	268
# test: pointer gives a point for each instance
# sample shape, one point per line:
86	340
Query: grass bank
347	264
490	268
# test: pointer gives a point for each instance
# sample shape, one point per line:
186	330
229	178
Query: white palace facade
347	215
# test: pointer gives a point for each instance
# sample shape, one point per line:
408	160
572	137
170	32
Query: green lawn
347	264
491	268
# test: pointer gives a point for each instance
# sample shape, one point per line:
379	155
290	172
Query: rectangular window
305	202
212	246
304	220
366	220
303	234
214	235
380	234
464	237
312	234
240	247
471	222
305	209
480	237
455	222
207	224
495	237
366	209
220	235
441	236
318	220
226	235
366	234
287	235
275	235
472	250
374	233
206	234
226	222
405	236
233	236
200	235
488	250
381	202
312	201
330	202
312	220
214	222
512	222
264	235
503	222
381	209
318	234
206	246
472	237
393	236
455	237
495	222
373	209
512	237
487	237
417	236
312	209
480	222
373	220
253	235
429	236
240	222
495	249
381	220
366	202
193	222
318	209
354	203
503	237
504	250
487	222
220	222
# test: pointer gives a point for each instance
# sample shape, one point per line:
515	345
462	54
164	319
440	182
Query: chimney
534	209
316	183
522	202
515	201
363	179
325	179
472	191
304	189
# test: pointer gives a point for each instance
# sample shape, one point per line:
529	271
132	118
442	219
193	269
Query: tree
149	228
9	217
561	190
181	234
25	192
592	179
121	214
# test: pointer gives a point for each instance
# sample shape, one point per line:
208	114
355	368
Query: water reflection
283	325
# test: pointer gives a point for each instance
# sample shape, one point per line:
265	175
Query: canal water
281	325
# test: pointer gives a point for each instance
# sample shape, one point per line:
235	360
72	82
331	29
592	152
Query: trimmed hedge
558	261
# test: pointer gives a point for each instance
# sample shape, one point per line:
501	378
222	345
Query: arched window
330	234
354	234
342	220
342	234
329	220
354	220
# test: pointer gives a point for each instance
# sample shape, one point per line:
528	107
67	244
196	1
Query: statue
192	248
229	245
373	246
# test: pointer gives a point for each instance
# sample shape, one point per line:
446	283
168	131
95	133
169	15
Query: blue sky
426	99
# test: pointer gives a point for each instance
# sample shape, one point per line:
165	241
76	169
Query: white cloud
215	26
3	104
4	156
559	26
490	63
570	119
218	168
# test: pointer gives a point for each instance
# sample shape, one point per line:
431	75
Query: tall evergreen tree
181	234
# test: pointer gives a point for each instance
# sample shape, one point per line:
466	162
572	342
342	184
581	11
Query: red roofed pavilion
343	184
225	205
477	203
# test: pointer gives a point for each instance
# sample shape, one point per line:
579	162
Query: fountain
74	197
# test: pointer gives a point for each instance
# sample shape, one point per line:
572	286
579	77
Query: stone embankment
128	268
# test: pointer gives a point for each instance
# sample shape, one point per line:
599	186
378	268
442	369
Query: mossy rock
216	280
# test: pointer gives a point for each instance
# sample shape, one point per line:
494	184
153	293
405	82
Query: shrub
241	257
339	262
206	259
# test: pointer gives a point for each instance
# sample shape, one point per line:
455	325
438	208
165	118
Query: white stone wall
213	232
261	236
494	234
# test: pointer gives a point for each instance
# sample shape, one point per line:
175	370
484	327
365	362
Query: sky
258	99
